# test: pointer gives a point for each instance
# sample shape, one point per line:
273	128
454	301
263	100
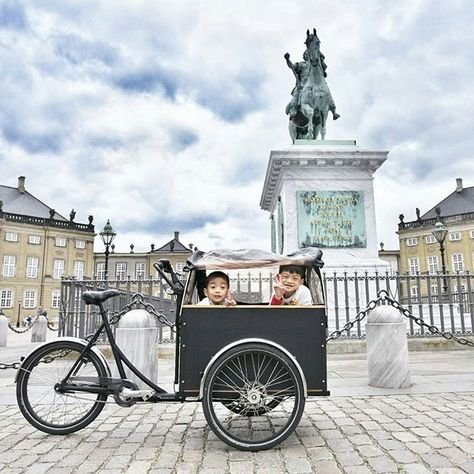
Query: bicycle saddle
96	297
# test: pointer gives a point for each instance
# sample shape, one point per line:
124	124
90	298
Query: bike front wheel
48	409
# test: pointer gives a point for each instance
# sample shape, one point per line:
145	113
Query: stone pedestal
387	349
137	337
320	193
3	330
38	331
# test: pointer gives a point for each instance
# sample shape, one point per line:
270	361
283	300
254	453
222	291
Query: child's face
217	290
291	282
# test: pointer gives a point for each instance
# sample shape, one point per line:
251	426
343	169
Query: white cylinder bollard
137	336
387	348
38	331
3	330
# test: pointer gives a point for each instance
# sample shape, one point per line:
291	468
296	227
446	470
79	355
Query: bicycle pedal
129	394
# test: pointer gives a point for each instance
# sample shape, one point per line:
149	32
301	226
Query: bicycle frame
71	384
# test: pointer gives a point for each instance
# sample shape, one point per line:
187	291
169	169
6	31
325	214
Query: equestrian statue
311	98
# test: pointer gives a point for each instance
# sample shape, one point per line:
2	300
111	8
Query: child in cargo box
217	290
289	288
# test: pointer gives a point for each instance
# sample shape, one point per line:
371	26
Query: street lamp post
107	234
440	232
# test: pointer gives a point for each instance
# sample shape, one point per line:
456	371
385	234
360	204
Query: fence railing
445	301
79	320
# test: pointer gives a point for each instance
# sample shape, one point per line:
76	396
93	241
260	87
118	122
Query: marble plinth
387	348
338	166
38	331
3	330
137	336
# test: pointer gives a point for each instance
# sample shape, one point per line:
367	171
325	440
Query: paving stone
435	460
416	468
349	459
357	470
298	465
402	456
382	464
326	467
240	467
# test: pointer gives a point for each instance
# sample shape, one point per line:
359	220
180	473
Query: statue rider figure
301	72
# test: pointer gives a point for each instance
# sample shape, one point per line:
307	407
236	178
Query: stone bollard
137	336
3	330
387	348
38	331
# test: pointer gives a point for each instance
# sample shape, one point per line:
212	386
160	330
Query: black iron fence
79	320
445	301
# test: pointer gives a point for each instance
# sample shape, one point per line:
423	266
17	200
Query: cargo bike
252	365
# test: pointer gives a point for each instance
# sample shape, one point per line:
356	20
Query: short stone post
3	329
38	331
387	348
137	337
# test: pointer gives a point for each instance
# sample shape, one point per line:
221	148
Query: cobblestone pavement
413	433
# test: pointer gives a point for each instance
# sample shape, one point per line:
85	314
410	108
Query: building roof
173	245
24	203
458	202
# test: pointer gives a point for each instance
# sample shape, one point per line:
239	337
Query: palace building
420	251
38	246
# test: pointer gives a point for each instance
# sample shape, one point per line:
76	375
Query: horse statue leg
308	112
293	131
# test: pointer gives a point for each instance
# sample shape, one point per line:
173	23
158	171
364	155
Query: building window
55	298
412	242
179	266
434	289
9	265
120	271
140	270
432	264
34	239
29	299
414	293
32	267
79	270
471	233
413	265
430	239
80	244
11	237
61	241
58	268
100	271
6	299
455	236
458	262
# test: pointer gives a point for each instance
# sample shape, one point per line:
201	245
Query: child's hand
279	288
229	299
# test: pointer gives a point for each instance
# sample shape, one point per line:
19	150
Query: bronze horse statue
312	100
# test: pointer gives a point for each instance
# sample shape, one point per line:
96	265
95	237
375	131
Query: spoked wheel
253	397
42	404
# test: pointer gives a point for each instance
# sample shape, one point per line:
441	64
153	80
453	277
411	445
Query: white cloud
161	115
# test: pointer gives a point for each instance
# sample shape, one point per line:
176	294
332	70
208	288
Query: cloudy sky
161	115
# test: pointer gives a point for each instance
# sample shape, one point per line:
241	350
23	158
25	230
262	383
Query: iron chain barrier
383	296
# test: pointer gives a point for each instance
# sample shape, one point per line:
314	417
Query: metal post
106	272
18	319
443	267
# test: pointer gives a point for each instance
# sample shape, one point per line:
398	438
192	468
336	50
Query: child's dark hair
298	269
214	275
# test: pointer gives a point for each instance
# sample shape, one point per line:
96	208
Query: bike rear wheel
48	409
